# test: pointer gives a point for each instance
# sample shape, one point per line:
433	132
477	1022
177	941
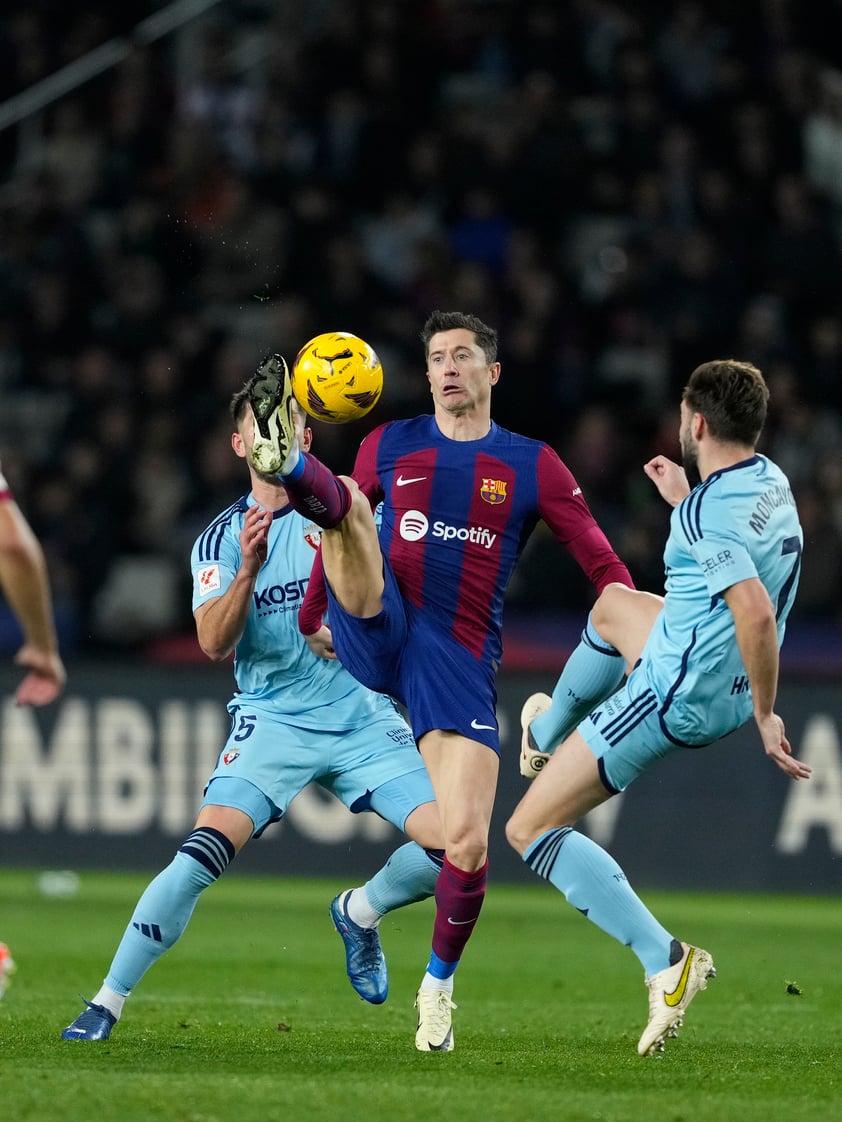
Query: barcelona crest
493	491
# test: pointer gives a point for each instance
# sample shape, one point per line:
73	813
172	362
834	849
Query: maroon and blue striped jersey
457	514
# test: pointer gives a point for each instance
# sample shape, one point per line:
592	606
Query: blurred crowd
623	190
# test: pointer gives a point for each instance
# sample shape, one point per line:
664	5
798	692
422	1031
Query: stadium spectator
674	165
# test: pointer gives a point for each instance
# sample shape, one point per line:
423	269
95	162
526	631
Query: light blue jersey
273	666
740	523
297	718
690	686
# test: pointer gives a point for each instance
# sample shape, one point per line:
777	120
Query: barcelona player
416	607
705	661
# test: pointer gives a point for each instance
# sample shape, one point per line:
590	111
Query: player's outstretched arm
757	638
23	577
778	748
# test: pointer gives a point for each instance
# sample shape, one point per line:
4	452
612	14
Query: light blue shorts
627	734
266	762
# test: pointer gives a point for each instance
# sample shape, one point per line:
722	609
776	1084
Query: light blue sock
592	881
164	910
593	672
408	876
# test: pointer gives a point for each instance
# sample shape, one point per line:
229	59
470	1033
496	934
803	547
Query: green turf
251	1016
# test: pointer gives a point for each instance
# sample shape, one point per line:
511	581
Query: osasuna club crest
313	535
493	491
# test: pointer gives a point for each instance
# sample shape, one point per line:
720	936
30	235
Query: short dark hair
732	397
239	401
438	321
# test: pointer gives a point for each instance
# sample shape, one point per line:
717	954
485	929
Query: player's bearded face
689	450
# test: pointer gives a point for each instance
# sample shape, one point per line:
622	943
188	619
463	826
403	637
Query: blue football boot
364	959
93	1023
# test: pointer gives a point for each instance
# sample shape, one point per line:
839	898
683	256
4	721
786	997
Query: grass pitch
251	1016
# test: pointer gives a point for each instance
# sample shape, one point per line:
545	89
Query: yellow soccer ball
337	377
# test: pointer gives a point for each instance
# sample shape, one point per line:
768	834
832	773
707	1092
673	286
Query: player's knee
359	504
518	832
467	853
604	612
423	825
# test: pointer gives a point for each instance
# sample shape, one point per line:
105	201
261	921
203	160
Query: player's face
459	374
689	447
243	439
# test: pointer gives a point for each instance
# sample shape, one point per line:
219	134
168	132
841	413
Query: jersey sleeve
716	546
5	492
562	506
214	570
314	604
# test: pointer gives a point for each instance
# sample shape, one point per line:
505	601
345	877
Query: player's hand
254	539
779	749
532	761
45	679
669	478
321	642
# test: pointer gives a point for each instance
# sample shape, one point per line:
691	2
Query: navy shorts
400	652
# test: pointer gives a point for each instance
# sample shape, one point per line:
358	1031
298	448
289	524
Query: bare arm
23	576
757	638
220	622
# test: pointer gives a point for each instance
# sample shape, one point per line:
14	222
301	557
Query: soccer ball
337	377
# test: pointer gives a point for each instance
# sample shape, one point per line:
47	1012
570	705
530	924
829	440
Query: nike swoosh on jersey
677	995
461	922
401	482
476	725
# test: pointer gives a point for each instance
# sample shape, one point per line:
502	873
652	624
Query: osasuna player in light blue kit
704	658
295	718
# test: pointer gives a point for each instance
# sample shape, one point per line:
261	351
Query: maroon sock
459	897
315	492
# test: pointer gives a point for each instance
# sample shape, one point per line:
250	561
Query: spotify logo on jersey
414	526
